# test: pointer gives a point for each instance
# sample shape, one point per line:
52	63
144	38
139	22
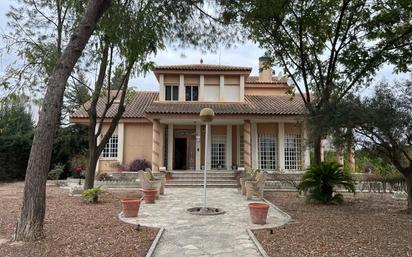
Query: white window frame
218	155
267	152
293	152
111	149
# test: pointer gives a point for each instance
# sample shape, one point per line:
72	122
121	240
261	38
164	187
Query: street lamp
206	115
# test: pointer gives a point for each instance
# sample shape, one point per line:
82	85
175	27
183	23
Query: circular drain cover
205	211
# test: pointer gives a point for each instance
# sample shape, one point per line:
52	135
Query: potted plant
149	195
118	166
130	207
258	212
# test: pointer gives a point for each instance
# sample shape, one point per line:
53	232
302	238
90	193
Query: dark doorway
180	153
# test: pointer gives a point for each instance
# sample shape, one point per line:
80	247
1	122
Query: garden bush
139	164
92	195
56	172
319	182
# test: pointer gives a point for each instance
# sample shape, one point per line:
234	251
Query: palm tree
320	180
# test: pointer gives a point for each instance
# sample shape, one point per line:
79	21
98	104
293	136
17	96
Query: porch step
224	178
209	185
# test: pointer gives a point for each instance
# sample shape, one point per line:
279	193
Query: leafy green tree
328	48
123	50
320	182
16	132
30	224
385	125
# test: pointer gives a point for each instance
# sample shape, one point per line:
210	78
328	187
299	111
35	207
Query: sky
243	54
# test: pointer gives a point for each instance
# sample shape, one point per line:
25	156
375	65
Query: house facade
257	124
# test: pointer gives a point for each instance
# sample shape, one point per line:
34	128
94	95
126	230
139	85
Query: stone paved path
191	235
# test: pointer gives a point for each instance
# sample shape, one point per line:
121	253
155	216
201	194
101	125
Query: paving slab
191	235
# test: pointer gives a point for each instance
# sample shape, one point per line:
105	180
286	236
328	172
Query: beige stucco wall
267	128
137	142
192	79
264	91
232	80
293	128
212	80
171	79
211	93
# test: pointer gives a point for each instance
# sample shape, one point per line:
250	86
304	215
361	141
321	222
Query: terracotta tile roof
260	105
135	109
143	103
253	81
203	67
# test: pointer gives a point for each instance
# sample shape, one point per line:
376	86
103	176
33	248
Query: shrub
79	160
92	195
104	177
319	182
55	173
139	164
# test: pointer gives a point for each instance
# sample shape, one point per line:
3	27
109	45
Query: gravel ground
365	225
72	228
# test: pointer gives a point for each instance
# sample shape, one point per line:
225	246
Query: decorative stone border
279	210
255	240
155	242
257	243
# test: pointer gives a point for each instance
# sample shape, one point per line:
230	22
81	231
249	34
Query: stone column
238	145
281	146
162	89
228	147
120	142
222	88
242	89
254	140
202	88
181	88
170	147
156	146
247	147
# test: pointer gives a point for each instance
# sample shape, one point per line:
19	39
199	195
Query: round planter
149	195
258	212
130	207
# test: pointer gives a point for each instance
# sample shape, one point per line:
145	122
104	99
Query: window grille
241	147
110	149
218	151
293	152
267	152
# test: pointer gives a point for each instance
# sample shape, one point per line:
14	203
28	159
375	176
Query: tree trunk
351	152
91	170
409	190
30	225
317	145
339	155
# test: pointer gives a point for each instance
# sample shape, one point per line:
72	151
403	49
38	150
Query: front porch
270	145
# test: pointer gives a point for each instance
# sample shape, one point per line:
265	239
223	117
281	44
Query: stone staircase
215	178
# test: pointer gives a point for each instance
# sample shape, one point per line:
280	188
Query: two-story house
256	124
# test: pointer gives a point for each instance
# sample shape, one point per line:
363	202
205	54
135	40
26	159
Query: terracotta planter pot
258	212
149	195
130	207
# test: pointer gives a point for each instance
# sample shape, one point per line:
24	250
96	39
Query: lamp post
206	115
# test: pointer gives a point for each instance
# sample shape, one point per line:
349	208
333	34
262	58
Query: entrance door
191	150
180	154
